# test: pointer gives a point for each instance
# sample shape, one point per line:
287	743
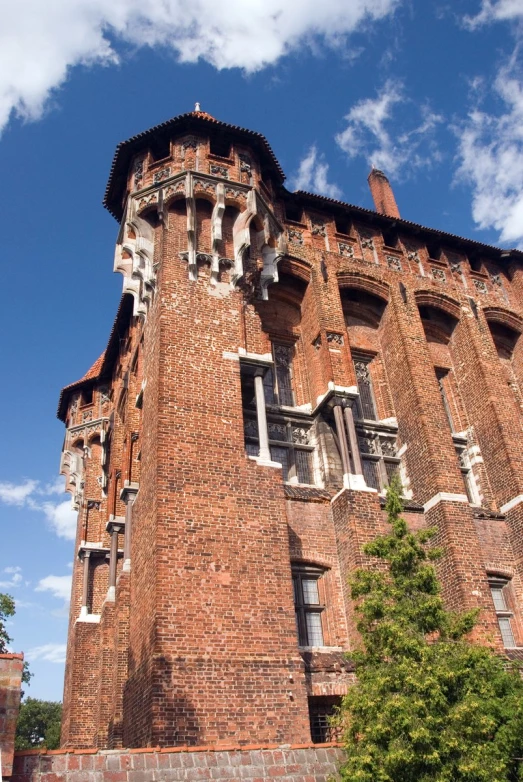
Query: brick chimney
382	194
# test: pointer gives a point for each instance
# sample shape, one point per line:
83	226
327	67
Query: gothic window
289	444
500	591
366	405
377	442
306	582
460	441
278	382
379	459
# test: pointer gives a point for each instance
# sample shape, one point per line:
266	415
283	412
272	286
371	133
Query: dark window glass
283	355
371	473
293	212
220	146
342	224
365	407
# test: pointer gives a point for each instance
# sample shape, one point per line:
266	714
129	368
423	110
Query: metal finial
197	107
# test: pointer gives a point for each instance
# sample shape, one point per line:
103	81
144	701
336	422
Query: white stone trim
444	496
88	618
266	358
354	483
511	504
265	462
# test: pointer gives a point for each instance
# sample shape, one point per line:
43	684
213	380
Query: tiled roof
126	149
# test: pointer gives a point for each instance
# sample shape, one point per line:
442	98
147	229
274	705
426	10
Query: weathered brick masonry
275	358
291	763
11	669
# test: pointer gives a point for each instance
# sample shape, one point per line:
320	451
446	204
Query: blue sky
430	92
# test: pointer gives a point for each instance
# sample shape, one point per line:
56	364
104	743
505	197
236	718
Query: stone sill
184	748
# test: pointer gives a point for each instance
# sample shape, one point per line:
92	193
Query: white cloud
312	176
53	653
17	494
59	586
490	154
62	519
15	577
378	131
41	42
496	11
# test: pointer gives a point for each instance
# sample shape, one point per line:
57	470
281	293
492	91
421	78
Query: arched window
285	386
439	326
377	440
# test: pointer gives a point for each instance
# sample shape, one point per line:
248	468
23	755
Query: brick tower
275	358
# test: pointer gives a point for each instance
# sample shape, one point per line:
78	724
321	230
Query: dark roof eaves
406	223
173	121
105	365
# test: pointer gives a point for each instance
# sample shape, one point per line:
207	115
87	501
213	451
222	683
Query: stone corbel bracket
134	258
134	251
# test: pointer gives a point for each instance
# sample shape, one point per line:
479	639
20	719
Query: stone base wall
288	763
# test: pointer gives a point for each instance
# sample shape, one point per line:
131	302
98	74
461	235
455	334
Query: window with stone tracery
377	442
278	382
290	445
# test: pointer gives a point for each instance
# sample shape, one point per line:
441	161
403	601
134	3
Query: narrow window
283	355
390	239
499	589
434	250
307	605
443	382
293	212
343	224
220	146
366	406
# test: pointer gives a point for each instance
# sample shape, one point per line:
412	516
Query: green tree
429	705
7	609
38	724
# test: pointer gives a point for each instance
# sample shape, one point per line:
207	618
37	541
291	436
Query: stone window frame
376	440
278	381
503	600
459	439
306	572
292	470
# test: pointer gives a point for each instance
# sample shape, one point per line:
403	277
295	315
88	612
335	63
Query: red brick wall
11	668
199	645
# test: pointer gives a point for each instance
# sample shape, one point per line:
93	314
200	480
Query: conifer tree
429	705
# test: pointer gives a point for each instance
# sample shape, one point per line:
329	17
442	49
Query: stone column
353	441
263	434
342	439
84	610
114	527
128	495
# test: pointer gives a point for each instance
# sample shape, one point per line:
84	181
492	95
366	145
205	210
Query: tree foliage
7	610
38	724
429	705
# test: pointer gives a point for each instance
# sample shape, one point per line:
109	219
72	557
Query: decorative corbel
216	231
191	228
